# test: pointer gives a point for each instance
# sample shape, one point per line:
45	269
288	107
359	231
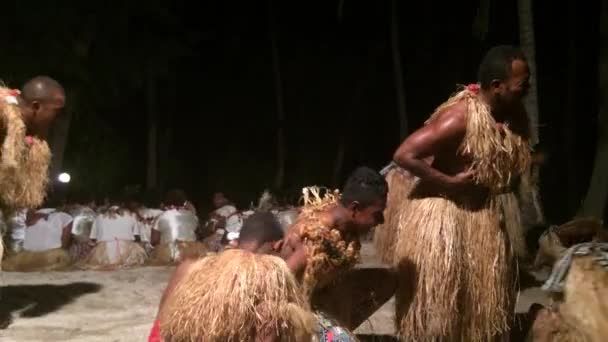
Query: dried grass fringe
457	272
25	261
457	263
23	168
498	156
231	296
330	250
400	184
111	255
510	216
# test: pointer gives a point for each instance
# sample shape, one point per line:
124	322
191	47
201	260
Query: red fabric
474	88
155	333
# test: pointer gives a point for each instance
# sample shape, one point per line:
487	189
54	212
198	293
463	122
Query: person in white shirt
17	230
219	219
173	234
47	238
115	233
147	217
84	216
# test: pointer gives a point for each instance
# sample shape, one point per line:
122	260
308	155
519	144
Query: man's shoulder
451	118
455	111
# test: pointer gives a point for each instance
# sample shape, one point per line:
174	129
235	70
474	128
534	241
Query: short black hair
496	64
175	197
364	186
261	227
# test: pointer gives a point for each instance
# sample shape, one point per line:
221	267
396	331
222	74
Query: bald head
42	97
42	89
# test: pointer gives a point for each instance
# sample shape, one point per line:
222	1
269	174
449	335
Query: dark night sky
337	77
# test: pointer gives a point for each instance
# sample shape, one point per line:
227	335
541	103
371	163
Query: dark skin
449	171
46	99
66	236
354	217
39	114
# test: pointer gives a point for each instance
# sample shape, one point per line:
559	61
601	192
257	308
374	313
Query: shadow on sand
39	300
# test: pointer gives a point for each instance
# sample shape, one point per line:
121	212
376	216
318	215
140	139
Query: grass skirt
171	253
80	250
25	261
234	295
457	271
400	184
115	254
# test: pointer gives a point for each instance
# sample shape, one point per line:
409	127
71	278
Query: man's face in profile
44	114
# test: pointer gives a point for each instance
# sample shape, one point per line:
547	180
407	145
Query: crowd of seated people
127	231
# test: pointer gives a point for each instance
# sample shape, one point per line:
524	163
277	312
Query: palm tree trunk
152	165
568	131
597	195
397	71
526	40
527	43
276	65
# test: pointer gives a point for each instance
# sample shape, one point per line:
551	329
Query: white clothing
150	216
117	227
17	225
176	224
235	222
226	210
46	233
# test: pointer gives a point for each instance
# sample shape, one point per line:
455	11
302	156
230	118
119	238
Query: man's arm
446	131
33	216
66	236
295	256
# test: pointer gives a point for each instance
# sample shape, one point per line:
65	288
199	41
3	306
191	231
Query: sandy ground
120	305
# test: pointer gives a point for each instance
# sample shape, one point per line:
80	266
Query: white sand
122	309
117	306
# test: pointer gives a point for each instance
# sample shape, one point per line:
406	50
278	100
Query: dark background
213	92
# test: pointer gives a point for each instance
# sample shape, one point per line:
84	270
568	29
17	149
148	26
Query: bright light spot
64	178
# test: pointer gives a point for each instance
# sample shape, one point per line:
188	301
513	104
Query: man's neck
338	217
497	112
250	246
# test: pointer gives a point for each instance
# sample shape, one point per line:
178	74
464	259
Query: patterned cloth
155	332
330	331
599	251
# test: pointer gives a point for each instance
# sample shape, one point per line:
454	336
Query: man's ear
495	84
277	245
354	206
35	107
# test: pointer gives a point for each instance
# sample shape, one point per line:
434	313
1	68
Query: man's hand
461	181
463	184
298	255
